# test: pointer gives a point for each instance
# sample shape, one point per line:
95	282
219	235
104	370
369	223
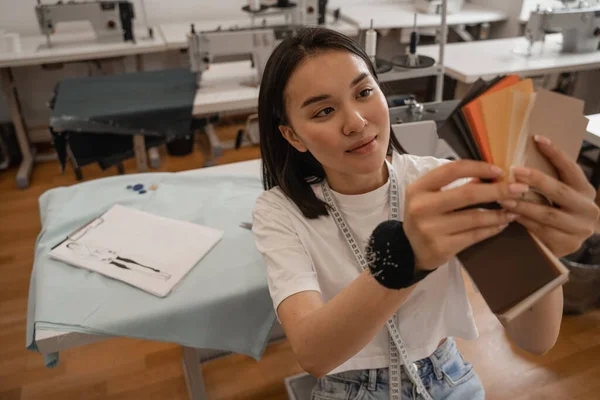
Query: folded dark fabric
155	104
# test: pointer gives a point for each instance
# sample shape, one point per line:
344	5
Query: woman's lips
364	148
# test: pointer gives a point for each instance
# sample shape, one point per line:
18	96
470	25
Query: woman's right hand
435	230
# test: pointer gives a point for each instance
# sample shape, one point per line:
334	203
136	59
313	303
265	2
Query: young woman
325	134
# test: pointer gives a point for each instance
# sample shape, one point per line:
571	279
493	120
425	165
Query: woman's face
337	112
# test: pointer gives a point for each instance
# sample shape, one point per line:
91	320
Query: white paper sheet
144	250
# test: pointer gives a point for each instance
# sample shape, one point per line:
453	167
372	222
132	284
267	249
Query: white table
66	47
50	341
79	46
226	87
467	62
392	14
174	34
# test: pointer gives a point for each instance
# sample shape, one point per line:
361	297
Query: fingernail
522	171
542	139
511	216
496	170
518	188
508	203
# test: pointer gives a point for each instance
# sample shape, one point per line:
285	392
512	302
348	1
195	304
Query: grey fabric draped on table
97	116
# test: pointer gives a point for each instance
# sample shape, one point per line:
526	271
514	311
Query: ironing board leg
193	374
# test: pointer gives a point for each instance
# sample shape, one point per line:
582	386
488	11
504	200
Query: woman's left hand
564	229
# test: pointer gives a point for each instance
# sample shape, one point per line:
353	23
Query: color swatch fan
503	120
496	122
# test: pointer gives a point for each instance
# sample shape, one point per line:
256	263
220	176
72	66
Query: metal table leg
76	167
193	374
205	147
154	157
213	139
461	31
10	91
139	148
24	172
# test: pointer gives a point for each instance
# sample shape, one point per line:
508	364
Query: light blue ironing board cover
223	303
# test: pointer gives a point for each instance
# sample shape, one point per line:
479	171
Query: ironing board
222	304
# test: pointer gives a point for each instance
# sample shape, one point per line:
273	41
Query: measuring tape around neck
398	352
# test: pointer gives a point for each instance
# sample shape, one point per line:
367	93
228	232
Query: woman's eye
365	92
324	112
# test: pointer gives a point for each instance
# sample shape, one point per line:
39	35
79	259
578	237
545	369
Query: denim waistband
425	366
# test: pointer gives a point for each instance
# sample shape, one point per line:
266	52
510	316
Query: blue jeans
445	374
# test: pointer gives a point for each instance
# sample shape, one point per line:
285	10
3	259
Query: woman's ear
293	139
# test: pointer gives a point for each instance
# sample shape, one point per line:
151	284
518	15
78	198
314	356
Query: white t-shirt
304	254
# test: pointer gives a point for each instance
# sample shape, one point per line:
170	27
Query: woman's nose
354	122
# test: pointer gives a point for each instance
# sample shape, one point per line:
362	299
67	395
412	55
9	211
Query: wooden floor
136	369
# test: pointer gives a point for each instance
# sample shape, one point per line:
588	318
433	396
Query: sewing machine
111	20
203	47
303	12
580	27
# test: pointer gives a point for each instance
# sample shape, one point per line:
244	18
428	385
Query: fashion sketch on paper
110	257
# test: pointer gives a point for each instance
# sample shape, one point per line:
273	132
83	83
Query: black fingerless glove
390	257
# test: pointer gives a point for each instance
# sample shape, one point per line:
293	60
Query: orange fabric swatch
474	117
497	111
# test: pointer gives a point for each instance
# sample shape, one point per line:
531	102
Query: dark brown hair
282	164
